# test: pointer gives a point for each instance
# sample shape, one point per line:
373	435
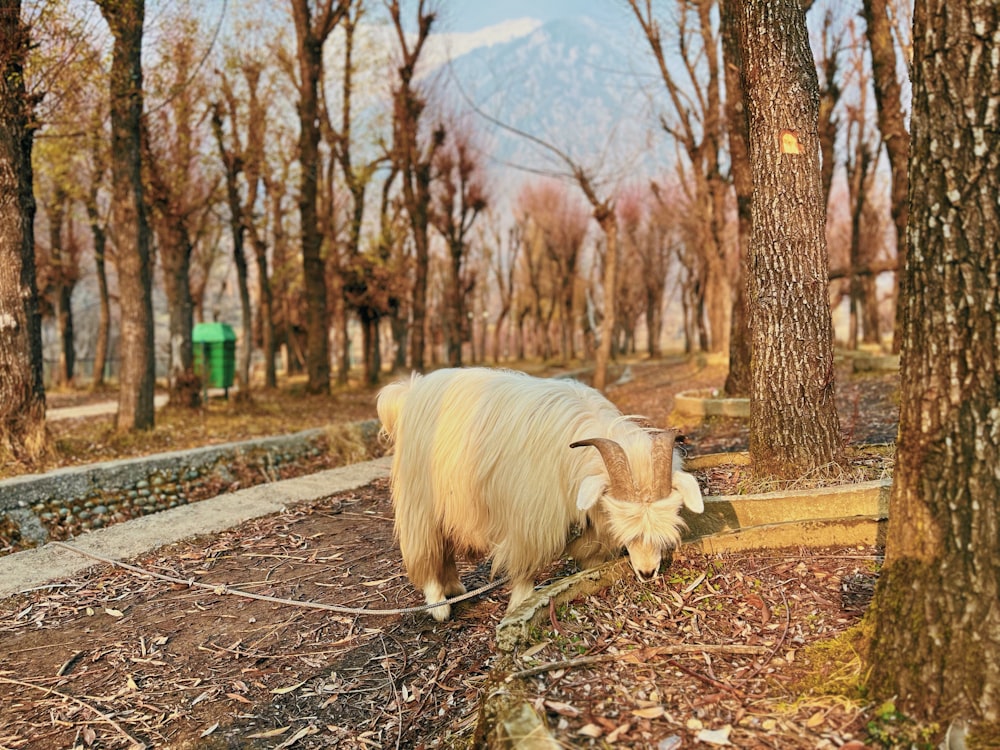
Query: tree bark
794	428
936	642
738	377
22	392
103	297
63	275
892	124
131	233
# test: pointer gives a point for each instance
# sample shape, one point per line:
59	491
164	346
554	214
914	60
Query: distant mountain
571	83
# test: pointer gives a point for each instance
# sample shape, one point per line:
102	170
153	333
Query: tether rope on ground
223	589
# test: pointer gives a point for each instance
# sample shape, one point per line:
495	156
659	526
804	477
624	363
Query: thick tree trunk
892	124
131	232
794	428
936	620
22	393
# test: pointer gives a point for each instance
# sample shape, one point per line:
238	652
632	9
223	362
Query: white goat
485	465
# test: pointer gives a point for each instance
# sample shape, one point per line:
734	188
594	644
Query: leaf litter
716	650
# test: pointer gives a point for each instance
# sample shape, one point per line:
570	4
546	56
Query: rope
223	589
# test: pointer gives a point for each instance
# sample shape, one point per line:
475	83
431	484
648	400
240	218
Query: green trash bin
215	354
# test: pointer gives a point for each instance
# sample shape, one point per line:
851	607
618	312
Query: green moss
836	666
891	729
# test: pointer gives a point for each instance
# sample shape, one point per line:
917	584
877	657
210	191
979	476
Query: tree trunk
22	392
605	216
794	428
892	124
237	227
454	304
311	35
265	312
738	378
103	299
63	272
936	621
131	233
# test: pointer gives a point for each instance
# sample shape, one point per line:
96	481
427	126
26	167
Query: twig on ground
641	655
65	696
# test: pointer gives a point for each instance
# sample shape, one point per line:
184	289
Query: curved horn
616	462
663	460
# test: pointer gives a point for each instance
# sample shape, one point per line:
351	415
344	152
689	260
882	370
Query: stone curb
35	568
691	404
116	480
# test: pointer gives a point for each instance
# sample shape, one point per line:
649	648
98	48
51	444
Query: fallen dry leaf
718	737
289	689
270	733
653	712
563	709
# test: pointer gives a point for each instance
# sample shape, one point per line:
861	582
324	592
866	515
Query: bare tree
232	162
862	152
58	271
503	261
179	187
313	25
22	392
553	229
413	159
366	285
130	230
892	124
794	427
458	199
698	125
97	219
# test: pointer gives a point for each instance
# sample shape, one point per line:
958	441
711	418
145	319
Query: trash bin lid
212	333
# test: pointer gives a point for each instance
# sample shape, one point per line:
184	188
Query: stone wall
35	508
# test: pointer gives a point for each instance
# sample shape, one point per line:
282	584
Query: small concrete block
521	728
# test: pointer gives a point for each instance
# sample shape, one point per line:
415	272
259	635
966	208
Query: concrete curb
37	567
697	404
105	491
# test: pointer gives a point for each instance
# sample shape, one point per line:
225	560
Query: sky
472	15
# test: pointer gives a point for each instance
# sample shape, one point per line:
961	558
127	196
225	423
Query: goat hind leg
450	581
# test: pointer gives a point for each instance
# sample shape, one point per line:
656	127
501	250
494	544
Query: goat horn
663	460
616	462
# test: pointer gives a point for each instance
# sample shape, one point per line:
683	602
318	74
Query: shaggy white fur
483	466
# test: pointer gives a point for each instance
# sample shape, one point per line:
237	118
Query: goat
487	462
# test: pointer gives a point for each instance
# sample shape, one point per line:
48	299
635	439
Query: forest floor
752	649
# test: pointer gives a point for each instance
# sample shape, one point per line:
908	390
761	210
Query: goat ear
687	485
591	489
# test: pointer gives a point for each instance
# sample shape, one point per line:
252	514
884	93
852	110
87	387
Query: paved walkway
100	409
37	567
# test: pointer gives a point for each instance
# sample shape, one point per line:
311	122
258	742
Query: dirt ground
720	648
